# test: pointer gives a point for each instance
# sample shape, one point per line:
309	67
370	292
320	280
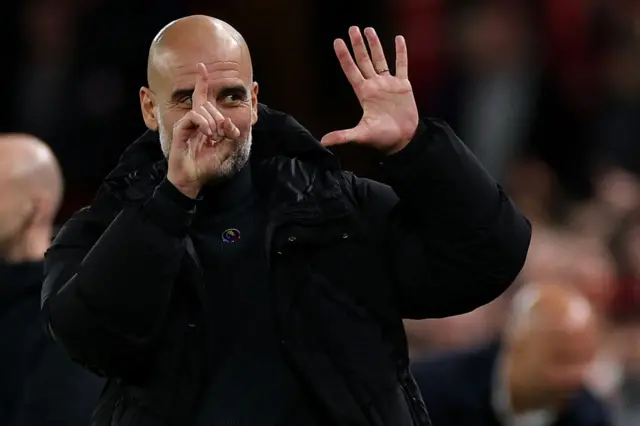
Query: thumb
339	137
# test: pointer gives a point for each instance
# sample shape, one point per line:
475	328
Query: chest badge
231	235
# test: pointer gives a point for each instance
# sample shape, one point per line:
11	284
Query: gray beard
229	167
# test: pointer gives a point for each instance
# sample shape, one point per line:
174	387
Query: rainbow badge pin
231	235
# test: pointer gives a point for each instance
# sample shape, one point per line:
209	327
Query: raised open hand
196	155
389	111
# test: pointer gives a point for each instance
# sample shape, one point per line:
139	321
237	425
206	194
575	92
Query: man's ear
254	103
148	107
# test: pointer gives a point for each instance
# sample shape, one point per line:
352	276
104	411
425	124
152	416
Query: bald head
197	37
550	308
28	163
30	191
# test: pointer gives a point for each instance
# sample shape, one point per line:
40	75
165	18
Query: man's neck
26	250
228	194
513	404
520	398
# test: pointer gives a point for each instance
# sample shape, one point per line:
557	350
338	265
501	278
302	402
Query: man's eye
233	98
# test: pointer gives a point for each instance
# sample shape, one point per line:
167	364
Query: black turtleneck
251	385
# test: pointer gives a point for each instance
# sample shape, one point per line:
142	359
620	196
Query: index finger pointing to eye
200	92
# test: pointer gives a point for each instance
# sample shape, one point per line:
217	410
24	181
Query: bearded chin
238	158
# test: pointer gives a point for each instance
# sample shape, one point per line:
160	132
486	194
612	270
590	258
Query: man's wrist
407	153
170	209
190	190
405	140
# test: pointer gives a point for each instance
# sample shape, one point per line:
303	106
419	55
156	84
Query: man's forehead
179	69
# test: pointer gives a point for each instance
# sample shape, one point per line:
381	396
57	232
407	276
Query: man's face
230	89
568	361
557	363
15	210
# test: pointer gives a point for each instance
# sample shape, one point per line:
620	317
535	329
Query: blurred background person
31	193
536	374
39	385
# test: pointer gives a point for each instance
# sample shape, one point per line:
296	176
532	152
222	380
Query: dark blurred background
545	92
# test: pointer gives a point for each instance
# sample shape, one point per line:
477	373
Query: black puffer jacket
349	259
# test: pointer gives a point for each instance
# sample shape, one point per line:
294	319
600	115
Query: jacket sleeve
107	291
454	240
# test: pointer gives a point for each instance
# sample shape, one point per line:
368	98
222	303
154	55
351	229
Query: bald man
31	192
39	385
239	277
535	376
